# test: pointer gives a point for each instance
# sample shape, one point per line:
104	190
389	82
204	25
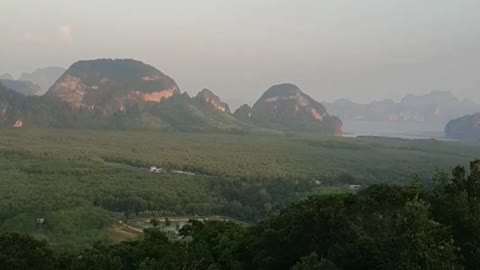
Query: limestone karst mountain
286	107
464	128
128	94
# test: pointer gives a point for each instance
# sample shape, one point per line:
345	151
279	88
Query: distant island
465	128
436	107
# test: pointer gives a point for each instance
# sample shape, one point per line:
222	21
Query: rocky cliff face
464	128
435	107
207	97
285	106
112	85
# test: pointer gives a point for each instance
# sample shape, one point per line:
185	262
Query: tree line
380	227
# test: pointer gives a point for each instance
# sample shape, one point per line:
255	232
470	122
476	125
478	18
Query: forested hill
465	128
383	227
112	84
286	107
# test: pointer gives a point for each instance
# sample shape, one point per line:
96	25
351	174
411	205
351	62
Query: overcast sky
363	50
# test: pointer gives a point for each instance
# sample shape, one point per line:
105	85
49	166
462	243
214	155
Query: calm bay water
407	130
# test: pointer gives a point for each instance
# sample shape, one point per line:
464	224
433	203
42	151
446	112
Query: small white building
155	169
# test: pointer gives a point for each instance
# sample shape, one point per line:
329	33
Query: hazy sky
363	50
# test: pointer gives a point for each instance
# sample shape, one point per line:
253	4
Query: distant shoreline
404	130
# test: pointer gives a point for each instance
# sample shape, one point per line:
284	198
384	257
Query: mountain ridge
25	88
435	107
43	77
129	94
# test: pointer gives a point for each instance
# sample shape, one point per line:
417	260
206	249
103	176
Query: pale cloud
65	33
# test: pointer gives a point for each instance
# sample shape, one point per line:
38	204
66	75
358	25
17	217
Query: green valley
83	181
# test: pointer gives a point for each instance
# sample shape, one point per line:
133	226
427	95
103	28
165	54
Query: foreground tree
423	243
456	204
23	252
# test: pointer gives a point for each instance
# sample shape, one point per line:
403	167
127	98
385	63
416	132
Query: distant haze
362	50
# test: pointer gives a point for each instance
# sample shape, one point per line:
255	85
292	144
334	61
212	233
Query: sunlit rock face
207	97
69	89
159	95
18	124
112	84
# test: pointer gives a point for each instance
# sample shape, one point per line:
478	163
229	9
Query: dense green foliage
381	227
82	182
